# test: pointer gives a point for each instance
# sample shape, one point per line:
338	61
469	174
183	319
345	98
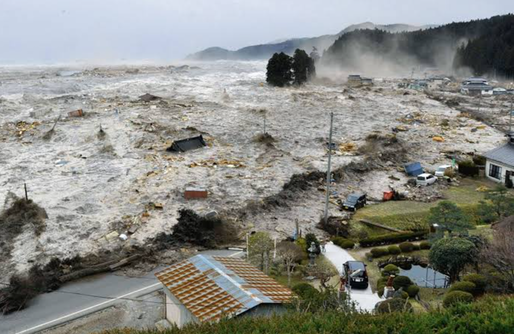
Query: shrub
343	243
304	290
404	295
412	290
406	247
424	245
390	269
416	247
392	238
369	256
463	286
479	280
394	250
457	297
394	305
378	252
309	239
401	282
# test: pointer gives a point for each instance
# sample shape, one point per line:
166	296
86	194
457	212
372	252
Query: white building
207	288
500	162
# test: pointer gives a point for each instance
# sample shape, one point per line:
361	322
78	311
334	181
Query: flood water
426	277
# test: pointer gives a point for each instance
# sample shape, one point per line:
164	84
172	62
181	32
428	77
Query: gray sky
46	31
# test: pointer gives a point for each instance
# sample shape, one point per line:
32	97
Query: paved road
83	297
365	299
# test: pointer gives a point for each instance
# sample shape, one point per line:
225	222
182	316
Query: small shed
208	288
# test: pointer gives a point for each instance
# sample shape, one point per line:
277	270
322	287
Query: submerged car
441	170
354	201
425	179
356	274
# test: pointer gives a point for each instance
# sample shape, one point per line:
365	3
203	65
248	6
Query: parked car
354	201
425	179
356	274
441	170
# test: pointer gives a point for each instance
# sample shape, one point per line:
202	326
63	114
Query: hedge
390	269
394	305
412	290
378	252
406	247
304	289
487	315
401	282
343	243
392	238
457	297
463	286
394	250
424	245
479	280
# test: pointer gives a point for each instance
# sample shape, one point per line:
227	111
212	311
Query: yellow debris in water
438	139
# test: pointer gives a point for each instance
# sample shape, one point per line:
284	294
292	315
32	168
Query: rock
162	325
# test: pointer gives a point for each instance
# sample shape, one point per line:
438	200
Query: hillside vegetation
484	46
489	315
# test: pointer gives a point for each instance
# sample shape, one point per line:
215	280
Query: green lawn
409	214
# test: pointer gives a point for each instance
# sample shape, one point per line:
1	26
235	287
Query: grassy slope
488	315
403	214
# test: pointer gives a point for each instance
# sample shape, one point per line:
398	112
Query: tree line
484	46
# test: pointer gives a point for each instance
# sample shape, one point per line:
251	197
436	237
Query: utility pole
329	177
247	246
26	192
264	124
510	115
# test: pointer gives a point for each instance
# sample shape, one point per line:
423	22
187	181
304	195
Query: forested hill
484	46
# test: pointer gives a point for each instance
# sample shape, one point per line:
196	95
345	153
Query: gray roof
503	154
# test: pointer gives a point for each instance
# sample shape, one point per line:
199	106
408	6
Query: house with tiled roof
208	288
500	162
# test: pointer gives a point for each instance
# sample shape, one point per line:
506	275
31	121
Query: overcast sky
46	31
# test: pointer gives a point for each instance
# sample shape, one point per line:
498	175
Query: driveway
365	299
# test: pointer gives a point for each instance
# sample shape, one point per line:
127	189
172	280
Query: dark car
354	201
356	274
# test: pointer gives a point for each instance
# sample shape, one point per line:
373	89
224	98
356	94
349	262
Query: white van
425	179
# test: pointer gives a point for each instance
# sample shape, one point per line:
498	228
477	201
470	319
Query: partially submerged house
148	98
476	89
500	162
188	144
208	288
419	85
356	80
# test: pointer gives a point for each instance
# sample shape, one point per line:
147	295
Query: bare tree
260	246
290	254
499	254
324	271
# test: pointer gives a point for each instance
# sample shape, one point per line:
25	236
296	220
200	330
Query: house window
495	171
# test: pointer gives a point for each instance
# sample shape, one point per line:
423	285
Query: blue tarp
413	169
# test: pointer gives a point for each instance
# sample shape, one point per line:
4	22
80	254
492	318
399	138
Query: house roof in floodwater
212	287
188	144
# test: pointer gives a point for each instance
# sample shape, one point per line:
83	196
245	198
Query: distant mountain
265	51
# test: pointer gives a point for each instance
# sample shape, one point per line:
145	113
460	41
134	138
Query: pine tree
279	70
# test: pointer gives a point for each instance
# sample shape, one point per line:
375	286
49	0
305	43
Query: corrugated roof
211	287
503	154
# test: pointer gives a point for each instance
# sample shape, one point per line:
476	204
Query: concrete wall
504	169
176	312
